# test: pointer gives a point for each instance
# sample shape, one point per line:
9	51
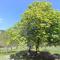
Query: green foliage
13	36
40	25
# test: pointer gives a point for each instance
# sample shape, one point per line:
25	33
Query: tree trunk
37	46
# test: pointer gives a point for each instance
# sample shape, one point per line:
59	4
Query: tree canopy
40	25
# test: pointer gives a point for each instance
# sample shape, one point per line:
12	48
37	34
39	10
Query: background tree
15	36
13	33
4	38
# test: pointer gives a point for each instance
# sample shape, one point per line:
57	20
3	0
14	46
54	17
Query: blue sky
10	11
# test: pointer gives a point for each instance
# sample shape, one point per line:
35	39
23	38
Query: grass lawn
5	56
53	50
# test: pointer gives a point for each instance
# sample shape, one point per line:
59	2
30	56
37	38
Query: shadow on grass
32	55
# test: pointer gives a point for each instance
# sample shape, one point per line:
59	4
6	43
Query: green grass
5	55
52	49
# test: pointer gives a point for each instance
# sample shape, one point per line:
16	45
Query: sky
11	10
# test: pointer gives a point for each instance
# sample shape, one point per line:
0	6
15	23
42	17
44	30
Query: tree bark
37	46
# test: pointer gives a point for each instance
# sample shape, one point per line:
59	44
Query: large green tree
40	24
